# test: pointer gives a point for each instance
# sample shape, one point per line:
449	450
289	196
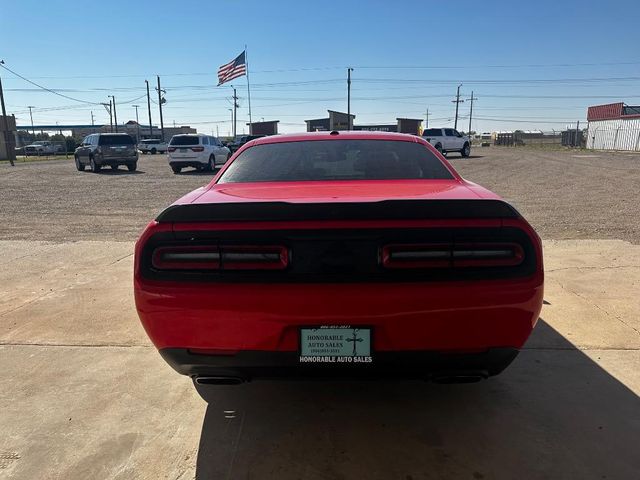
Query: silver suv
102	149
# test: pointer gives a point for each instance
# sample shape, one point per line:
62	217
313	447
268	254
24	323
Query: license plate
183	150
335	345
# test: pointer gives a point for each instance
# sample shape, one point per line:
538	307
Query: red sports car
341	254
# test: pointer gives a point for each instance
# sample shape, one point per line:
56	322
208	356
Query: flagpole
246	61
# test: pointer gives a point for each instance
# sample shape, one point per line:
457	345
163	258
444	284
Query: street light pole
350	126
115	114
31	115
137	124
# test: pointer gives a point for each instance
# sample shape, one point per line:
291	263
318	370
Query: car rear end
187	151
435	279
116	149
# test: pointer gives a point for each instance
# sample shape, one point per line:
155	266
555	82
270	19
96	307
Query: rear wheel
132	166
210	163
176	169
95	168
466	150
79	164
114	167
153	151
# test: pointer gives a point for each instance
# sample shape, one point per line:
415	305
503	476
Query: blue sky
531	65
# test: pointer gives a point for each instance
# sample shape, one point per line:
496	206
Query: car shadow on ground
199	172
120	171
460	157
554	413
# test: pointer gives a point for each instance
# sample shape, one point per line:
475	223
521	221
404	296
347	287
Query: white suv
152	146
203	152
448	140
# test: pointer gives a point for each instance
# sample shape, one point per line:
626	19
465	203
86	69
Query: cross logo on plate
354	339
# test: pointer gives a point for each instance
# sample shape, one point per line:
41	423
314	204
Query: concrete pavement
84	395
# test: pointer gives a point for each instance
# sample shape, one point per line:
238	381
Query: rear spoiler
384	210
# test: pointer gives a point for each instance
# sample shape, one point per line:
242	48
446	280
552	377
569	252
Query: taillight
171	149
197	149
223	257
452	255
186	258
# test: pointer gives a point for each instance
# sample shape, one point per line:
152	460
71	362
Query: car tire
466	150
132	166
176	169
79	165
114	167
210	164
95	168
439	148
153	151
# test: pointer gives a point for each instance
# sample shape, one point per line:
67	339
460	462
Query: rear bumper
186	163
116	160
423	365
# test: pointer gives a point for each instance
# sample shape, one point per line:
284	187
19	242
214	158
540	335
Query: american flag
234	69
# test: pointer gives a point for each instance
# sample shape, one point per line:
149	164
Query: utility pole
160	102
471	111
31	115
137	123
5	126
426	124
235	115
457	101
149	108
110	116
92	122
350	126
115	114
576	143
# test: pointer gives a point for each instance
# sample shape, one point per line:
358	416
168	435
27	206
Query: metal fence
519	139
614	135
43	150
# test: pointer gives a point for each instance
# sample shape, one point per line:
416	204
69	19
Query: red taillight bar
171	149
197	149
186	258
224	257
248	257
452	255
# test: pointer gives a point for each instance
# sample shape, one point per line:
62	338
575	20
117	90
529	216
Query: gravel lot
565	194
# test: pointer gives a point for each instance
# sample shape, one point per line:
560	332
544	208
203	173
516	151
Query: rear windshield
146	142
335	160
186	140
432	132
115	140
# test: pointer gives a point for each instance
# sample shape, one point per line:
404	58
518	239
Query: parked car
152	146
342	254
235	146
102	149
41	147
448	140
202	152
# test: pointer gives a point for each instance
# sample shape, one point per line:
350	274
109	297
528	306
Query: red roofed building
615	126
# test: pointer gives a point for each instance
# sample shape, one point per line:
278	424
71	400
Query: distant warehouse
615	126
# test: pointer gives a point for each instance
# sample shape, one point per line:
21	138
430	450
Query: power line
47	89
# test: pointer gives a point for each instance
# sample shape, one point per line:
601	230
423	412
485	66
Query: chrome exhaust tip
219	380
